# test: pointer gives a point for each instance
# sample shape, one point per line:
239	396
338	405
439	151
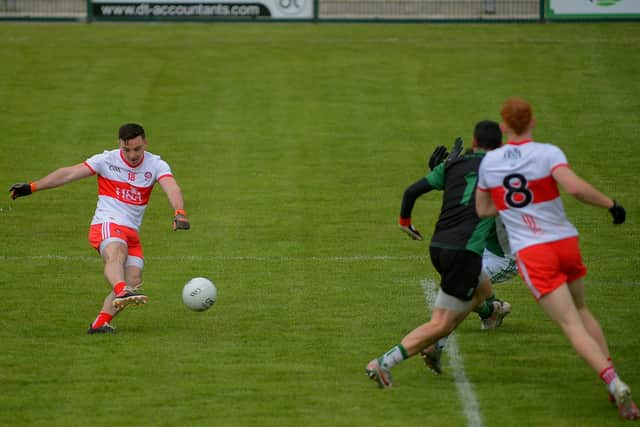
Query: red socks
102	318
119	287
608	374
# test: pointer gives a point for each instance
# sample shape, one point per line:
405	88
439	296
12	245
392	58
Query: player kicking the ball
126	177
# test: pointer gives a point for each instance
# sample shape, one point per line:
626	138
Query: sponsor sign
202	10
593	9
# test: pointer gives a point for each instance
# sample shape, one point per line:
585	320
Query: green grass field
293	145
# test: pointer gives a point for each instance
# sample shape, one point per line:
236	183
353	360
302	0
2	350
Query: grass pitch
293	145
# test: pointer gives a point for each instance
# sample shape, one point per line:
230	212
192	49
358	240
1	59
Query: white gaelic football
199	294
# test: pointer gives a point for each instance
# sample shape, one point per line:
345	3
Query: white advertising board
598	9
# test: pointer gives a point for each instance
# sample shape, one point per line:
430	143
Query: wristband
180	212
405	222
32	185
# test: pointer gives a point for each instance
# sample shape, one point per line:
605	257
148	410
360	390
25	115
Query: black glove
438	156
457	149
410	230
618	213
20	189
180	221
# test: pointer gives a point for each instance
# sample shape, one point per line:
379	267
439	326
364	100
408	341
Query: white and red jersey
123	189
518	176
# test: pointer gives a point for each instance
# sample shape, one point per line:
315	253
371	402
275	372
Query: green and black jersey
458	226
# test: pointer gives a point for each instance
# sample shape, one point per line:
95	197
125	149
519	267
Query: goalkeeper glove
407	227
457	149
618	213
438	156
22	189
180	221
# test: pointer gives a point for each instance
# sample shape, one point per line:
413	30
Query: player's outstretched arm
174	194
587	193
409	198
54	179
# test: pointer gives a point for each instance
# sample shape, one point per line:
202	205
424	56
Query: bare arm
484	204
580	189
173	192
63	176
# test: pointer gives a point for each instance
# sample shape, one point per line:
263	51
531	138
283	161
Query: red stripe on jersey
497	194
166	175
543	190
124	192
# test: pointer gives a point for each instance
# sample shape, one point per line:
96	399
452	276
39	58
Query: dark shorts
459	271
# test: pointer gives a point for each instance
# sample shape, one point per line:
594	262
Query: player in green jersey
456	249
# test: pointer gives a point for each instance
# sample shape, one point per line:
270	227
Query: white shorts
499	269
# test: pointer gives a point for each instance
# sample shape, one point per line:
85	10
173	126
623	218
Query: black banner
180	10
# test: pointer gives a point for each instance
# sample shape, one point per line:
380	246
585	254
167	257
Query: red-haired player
519	181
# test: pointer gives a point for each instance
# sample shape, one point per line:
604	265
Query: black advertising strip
144	10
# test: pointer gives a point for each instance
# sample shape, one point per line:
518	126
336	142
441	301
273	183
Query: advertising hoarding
593	9
201	10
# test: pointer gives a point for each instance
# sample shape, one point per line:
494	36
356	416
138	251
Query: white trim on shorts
132	261
108	240
448	302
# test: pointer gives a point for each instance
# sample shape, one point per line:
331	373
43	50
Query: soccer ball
199	294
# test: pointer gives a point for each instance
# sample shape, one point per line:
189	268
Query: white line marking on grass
465	388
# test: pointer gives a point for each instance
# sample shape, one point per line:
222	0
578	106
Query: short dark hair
130	131
488	134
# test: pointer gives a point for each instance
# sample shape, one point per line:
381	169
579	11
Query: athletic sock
394	356
119	287
612	399
441	343
609	377
103	317
486	309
